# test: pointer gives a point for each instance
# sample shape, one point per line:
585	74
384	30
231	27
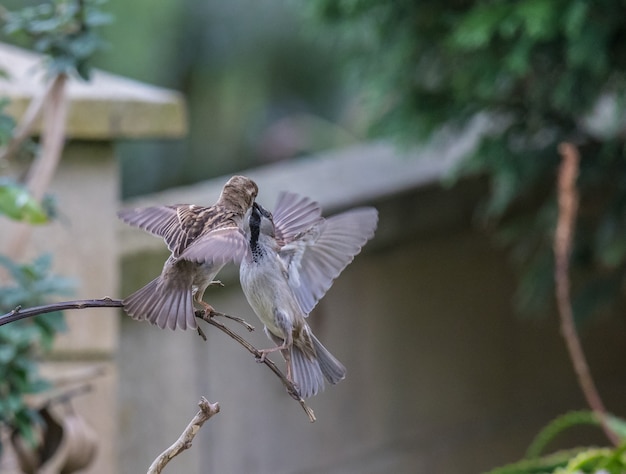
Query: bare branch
207	410
42	170
24	129
19	313
106	302
292	390
568	208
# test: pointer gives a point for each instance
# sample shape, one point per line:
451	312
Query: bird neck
255	248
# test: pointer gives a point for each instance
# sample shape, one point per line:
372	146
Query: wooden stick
42	170
184	441
292	390
563	237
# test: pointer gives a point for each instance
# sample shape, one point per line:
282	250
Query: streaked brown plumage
202	240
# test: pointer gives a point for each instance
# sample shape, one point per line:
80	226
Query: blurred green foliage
573	461
544	72
539	69
63	30
258	89
23	342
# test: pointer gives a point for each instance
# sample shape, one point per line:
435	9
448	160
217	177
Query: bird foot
216	283
209	311
264	352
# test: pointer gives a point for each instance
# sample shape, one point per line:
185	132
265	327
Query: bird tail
333	370
162	303
309	372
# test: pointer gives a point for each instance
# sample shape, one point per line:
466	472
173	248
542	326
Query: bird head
239	193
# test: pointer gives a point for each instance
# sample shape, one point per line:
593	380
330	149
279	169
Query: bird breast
268	292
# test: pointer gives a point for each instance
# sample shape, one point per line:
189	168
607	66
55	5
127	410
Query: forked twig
292	390
568	208
184	441
18	313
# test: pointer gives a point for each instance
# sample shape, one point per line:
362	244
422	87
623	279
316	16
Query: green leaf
543	465
518	60
98	18
18	204
24	423
574	17
479	26
558	426
538	17
618	425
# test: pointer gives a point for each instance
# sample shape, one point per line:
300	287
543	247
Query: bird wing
317	256
219	246
293	215
179	225
162	221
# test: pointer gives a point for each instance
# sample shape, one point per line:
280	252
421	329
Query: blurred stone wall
443	377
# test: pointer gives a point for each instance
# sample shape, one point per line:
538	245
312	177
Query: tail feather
163	305
309	372
333	370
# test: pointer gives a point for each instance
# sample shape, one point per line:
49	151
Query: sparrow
201	240
292	260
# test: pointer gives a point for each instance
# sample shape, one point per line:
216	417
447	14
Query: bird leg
287	356
282	345
264	352
198	296
210	312
208	309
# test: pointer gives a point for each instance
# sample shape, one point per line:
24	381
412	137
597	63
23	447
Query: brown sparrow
202	240
292	260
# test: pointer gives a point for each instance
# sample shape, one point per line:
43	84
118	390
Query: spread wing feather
180	225
293	215
161	221
316	257
219	246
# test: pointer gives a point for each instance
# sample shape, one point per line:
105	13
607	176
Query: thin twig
25	127
237	319
52	140
568	207
42	170
292	390
19	313
184	441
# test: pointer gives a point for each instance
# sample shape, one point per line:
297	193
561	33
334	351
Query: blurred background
447	117
261	86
